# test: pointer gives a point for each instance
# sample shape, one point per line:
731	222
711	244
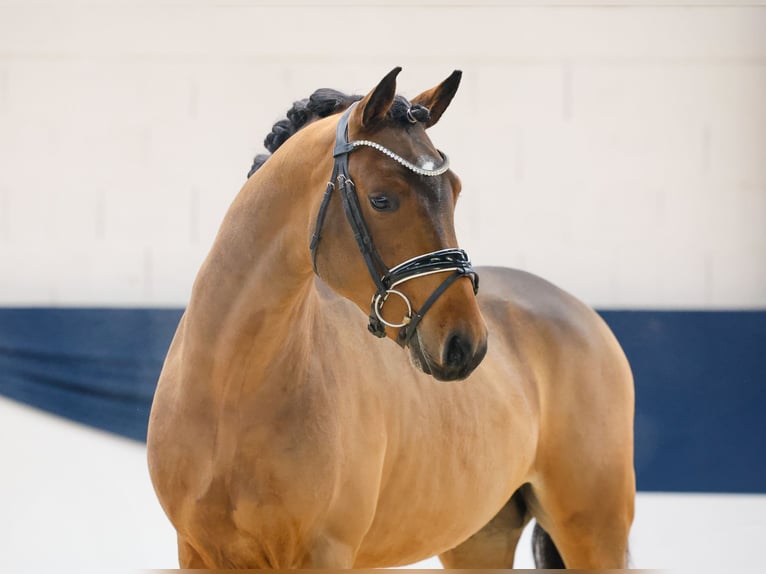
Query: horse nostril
457	352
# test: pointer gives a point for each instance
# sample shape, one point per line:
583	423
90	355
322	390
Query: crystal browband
399	159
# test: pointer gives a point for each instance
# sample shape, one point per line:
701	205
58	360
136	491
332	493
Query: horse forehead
421	152
415	146
431	188
424	151
412	143
427	161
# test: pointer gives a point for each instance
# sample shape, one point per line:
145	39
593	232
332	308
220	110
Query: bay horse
282	435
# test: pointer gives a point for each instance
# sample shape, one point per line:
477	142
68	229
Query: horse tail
544	550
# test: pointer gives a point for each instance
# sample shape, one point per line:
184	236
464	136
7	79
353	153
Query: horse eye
381	203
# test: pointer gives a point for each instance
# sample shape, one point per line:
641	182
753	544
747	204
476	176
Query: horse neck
258	280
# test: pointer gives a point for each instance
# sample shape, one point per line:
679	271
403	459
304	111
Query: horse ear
437	99
375	105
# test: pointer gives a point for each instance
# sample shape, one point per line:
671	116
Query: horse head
387	230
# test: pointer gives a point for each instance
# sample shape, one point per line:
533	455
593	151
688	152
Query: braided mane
322	103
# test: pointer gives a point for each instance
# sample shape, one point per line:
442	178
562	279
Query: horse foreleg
328	553
188	557
588	520
494	546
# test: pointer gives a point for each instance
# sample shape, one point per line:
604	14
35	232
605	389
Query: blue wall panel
700	398
96	366
700	383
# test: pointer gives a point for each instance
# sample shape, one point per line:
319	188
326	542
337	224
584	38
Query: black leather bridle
453	260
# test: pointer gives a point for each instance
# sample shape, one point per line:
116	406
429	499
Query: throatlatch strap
320	222
341	180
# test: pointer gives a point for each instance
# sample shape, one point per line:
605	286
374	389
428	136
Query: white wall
618	151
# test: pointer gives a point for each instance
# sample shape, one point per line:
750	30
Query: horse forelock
323	103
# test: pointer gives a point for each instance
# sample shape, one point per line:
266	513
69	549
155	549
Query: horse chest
453	463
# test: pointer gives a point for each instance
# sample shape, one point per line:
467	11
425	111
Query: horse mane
322	103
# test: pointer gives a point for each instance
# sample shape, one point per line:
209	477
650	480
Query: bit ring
377	305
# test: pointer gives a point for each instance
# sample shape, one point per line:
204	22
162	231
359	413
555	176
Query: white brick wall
618	151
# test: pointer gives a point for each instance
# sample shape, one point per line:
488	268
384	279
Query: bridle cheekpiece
452	260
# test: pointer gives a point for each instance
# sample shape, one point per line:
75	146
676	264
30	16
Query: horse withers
282	435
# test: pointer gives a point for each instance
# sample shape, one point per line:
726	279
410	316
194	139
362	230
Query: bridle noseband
453	260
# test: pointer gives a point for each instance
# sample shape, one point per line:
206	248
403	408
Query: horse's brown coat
283	435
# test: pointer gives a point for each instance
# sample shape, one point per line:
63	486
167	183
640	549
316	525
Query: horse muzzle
460	355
